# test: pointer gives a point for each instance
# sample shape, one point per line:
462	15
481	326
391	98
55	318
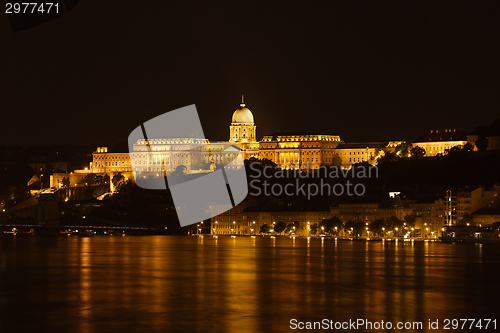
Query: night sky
367	71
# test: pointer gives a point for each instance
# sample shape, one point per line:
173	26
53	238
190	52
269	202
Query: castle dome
243	115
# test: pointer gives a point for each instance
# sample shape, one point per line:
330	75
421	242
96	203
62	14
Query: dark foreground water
190	284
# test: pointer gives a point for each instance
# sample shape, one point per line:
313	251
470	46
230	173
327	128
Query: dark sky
366	71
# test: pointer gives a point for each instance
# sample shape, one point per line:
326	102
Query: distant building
429	217
39	167
370	211
352	153
436	142
470	202
103	161
247	218
485	137
486	217
229	222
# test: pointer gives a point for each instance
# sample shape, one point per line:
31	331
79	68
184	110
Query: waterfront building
429	217
486	217
258	216
249	216
230	222
370	211
467	201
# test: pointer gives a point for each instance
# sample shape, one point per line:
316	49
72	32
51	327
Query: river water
194	284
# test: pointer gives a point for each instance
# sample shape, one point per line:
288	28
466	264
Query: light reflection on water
161	283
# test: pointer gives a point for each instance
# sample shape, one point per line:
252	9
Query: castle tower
242	127
243	131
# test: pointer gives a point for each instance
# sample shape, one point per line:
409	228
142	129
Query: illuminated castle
288	151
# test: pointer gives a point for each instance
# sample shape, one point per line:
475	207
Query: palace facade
151	157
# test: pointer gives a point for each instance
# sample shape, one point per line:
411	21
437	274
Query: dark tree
179	171
118	180
403	149
314	228
293	227
393	222
377	226
355	227
330	224
410	221
468	147
417	151
17	195
280	227
265	228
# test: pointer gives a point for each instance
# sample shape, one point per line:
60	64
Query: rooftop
443	135
362	145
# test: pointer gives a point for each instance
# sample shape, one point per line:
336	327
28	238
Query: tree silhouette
417	151
279	227
265	228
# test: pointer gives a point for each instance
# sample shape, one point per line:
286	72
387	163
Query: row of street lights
396	230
